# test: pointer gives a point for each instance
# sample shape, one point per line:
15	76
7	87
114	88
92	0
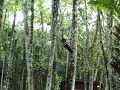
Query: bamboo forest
59	44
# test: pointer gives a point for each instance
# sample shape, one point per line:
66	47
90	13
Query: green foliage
12	5
87	69
58	81
112	5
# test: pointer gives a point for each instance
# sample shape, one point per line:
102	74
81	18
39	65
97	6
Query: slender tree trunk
27	42
71	72
1	12
3	64
31	40
55	4
54	74
21	81
24	67
109	26
91	80
87	51
94	42
32	28
104	55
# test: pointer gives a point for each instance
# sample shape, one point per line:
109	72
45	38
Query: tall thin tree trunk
1	12
21	81
27	42
55	4
94	41
87	51
4	54
71	72
104	54
24	69
54	74
109	27
31	40
3	64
